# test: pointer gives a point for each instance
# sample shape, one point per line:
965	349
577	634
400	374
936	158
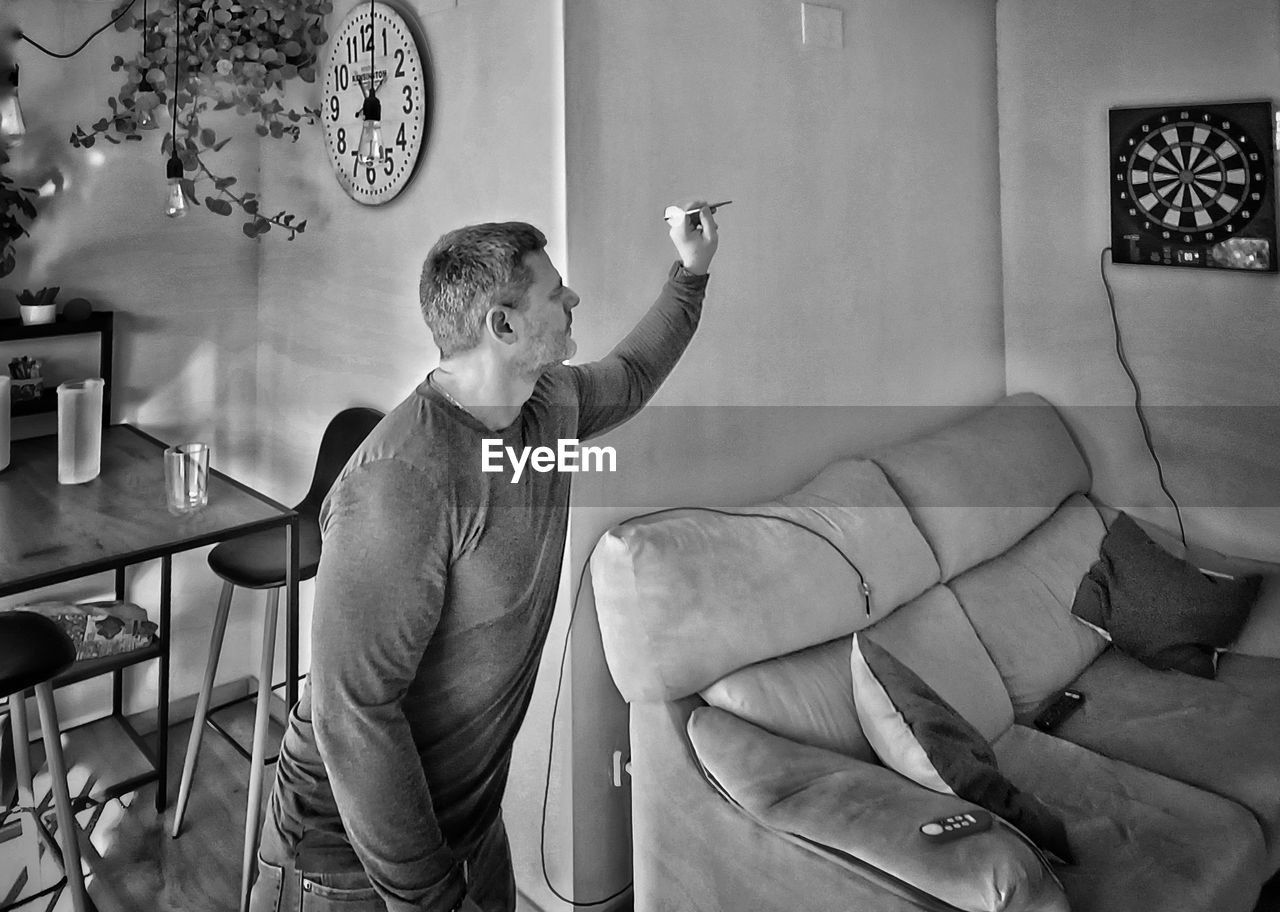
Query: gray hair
470	270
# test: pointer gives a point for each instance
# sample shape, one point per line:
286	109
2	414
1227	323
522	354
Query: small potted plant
38	306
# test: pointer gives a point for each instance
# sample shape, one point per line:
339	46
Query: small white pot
38	313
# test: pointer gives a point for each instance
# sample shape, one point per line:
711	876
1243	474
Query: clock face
375	50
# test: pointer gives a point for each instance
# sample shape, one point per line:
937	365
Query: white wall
858	278
1201	342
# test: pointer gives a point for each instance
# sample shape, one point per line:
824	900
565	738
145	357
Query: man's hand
695	236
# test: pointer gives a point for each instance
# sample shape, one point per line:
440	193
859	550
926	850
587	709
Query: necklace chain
444	392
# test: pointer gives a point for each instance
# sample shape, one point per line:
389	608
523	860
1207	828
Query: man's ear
498	323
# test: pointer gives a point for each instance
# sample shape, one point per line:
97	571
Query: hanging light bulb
371	150
145	108
144	103
12	124
175	202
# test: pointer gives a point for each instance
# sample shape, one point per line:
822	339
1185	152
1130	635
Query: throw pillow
1157	607
917	733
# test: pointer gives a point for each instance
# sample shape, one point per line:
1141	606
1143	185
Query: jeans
334	881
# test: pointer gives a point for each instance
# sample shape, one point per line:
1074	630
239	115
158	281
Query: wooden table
51	533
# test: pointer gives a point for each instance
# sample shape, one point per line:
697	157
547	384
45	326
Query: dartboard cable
1137	395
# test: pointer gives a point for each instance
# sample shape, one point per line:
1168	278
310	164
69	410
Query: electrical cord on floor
1137	394
555	705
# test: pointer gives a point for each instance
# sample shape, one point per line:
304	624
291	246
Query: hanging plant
230	55
16	204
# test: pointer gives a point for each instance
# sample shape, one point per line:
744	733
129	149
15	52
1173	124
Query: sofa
753	786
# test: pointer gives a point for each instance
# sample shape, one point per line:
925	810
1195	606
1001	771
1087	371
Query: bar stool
257	562
33	651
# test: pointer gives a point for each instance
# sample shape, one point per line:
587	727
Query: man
438	580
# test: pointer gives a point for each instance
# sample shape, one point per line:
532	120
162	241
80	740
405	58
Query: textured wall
1202	343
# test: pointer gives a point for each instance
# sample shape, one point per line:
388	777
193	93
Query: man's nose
572	299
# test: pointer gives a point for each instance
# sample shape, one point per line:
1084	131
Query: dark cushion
1157	607
33	649
917	733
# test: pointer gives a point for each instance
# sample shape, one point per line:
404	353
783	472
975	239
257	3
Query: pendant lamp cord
177	62
44	50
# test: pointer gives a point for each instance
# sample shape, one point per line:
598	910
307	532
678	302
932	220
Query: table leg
117	676
162	709
291	613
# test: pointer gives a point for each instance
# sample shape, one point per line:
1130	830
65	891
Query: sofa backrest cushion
978	486
1020	605
933	637
687	597
807	696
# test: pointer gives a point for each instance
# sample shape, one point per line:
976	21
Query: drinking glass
186	477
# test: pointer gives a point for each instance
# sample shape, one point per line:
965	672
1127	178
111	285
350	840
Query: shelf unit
101	322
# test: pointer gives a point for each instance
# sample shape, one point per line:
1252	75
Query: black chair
257	562
33	651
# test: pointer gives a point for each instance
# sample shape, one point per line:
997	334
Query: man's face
544	320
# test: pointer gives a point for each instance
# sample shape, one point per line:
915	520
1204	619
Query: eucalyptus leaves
232	55
16	204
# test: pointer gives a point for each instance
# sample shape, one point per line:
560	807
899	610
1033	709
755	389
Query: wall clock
375	49
1193	186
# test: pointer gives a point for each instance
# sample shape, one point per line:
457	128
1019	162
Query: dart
676	211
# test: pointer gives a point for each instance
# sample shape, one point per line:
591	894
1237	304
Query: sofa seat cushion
1020	604
1142	840
919	734
1221	735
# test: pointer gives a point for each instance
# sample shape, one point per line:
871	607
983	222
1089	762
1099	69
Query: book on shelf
100	628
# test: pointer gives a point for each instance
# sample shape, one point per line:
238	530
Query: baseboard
180	710
183	709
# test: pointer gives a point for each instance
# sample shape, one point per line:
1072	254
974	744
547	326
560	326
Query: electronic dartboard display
1193	186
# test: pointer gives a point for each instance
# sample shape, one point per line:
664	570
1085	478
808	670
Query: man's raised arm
614	388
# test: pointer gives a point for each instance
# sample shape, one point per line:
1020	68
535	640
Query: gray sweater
433	600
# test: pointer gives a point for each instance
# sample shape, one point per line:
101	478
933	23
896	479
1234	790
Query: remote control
1057	711
945	829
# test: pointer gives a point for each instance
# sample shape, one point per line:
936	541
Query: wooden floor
141	867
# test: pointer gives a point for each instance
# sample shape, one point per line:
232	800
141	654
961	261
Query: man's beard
547	351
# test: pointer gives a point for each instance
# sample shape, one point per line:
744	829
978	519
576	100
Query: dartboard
1191	186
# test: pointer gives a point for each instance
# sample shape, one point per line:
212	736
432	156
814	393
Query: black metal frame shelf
122	556
101	322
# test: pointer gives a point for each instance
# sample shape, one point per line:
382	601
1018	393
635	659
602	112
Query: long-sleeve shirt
433	599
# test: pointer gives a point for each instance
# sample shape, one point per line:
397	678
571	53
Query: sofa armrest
842	806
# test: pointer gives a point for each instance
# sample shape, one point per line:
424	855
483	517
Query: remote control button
931	829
